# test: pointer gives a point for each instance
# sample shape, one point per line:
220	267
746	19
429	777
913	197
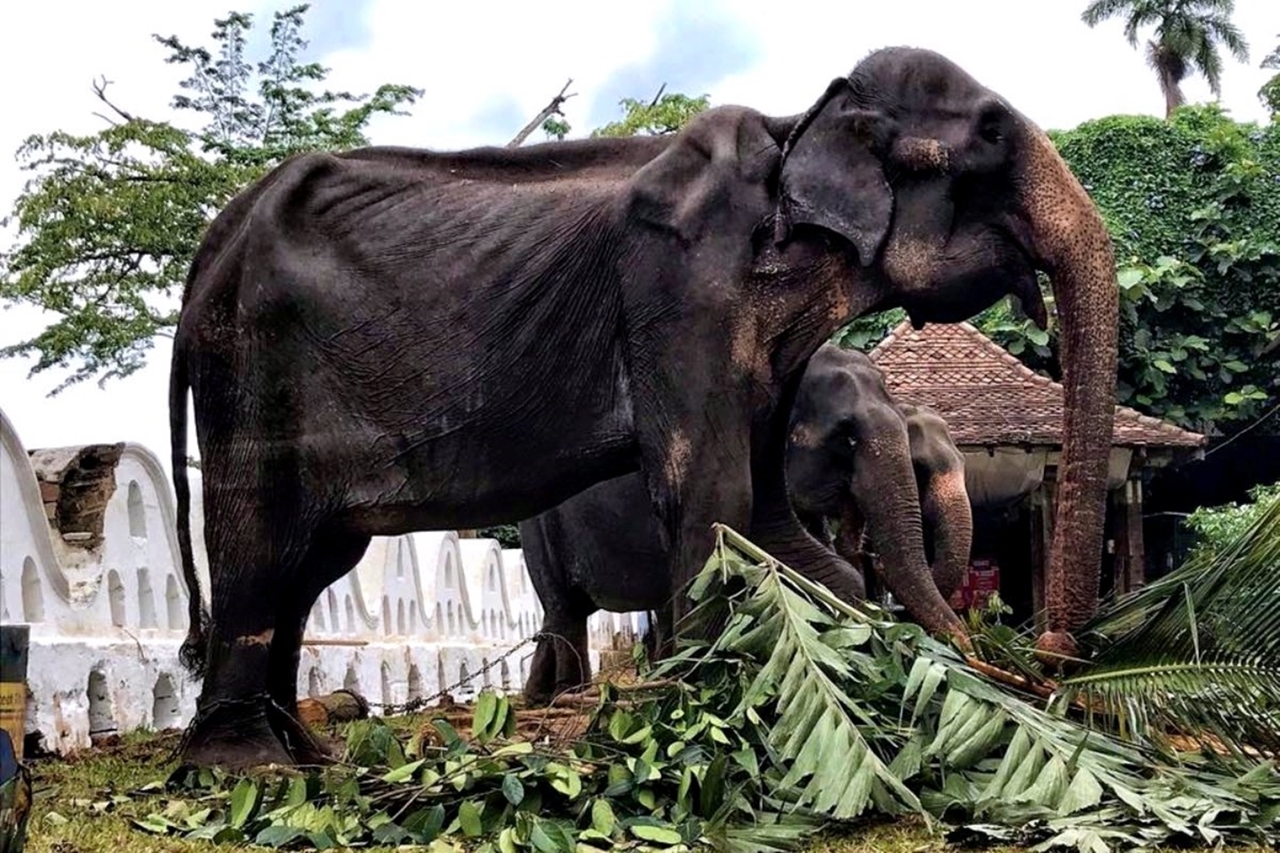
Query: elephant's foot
558	667
242	733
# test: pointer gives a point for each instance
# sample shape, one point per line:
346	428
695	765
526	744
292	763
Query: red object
980	581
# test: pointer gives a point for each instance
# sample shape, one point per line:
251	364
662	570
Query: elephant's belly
623	584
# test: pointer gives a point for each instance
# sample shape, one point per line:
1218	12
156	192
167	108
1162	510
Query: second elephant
886	471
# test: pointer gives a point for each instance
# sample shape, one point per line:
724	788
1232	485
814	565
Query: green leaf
278	835
154	824
1084	793
1039	337
512	789
297	794
1129	278
619	724
549	838
640	734
656	834
647	798
469	819
391	835
404	772
1164	365
602	817
243	801
483	716
425	824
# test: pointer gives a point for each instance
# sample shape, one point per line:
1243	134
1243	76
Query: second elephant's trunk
886	492
948	520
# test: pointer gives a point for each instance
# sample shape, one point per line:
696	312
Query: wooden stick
551	109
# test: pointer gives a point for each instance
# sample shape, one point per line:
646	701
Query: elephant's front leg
775	526
697	478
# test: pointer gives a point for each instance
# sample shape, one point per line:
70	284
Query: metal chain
391	709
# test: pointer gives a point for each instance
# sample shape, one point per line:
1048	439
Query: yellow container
13	683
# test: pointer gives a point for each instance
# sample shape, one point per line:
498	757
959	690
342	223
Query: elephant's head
954	199
851	457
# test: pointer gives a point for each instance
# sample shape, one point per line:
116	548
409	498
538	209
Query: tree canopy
1270	91
109	221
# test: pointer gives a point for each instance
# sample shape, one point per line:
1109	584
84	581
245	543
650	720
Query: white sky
487	68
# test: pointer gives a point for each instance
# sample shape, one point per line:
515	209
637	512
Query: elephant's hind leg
560	661
332	554
256	552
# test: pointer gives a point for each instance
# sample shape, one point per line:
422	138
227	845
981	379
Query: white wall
419	613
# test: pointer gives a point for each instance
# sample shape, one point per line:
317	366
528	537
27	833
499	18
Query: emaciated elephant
392	339
887	472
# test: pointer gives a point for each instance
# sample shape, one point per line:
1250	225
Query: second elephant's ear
832	176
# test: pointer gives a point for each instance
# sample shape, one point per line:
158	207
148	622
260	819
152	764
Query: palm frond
808	660
1197	651
857	710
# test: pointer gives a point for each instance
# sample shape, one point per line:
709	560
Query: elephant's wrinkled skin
393	339
883	469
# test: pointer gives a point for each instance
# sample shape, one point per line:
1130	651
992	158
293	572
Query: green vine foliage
1193	205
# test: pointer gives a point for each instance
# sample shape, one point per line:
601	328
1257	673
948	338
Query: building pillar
1043	505
1130	557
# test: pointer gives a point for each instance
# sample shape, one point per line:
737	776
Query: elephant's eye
991	121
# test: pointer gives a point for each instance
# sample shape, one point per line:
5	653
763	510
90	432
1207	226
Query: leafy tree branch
108	222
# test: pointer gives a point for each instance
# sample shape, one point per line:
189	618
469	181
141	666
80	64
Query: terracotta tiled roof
988	397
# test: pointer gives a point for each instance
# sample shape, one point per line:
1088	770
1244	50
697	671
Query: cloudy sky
486	68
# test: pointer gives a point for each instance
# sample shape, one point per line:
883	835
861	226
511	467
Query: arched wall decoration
90	611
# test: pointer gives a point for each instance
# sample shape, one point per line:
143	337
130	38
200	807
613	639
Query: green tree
1188	37
1216	527
109	221
1270	91
666	113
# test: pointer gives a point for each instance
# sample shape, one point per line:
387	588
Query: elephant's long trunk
949	518
893	521
1071	240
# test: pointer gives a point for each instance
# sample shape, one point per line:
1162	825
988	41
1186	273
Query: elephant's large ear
832	175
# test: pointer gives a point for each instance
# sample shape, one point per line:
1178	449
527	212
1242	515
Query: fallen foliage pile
801	714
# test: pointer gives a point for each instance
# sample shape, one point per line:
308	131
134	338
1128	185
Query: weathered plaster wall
420	613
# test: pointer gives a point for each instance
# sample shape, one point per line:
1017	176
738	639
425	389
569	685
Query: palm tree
1188	36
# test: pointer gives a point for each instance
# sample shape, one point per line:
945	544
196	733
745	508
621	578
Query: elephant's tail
192	653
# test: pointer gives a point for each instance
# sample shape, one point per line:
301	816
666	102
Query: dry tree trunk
551	109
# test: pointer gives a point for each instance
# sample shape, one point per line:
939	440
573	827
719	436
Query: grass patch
85	803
